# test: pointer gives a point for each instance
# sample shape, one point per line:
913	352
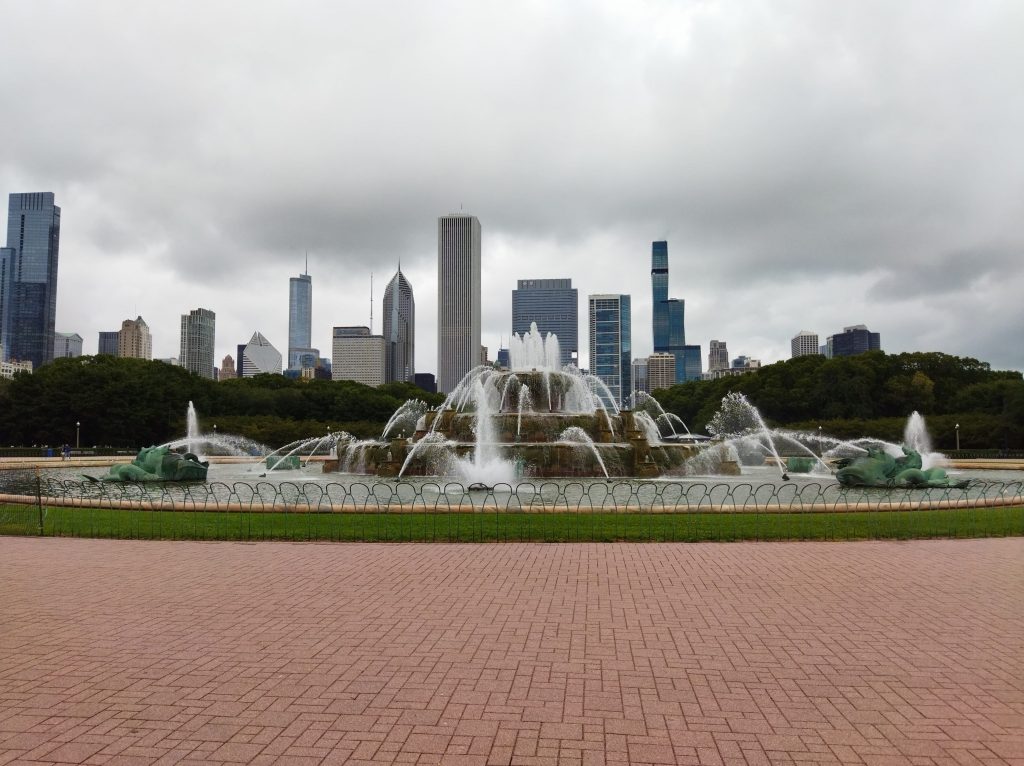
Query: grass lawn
513	526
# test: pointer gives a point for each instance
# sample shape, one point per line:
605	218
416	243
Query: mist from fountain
196	442
278	459
191	427
403	420
525	403
577	436
643	401
917	438
486	466
476	394
646	423
738	418
531	351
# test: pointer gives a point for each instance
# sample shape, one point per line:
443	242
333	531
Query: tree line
871	394
134	403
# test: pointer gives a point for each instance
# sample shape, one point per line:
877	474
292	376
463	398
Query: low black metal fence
563	510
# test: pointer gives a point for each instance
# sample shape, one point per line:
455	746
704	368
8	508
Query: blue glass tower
28	290
611	348
554	305
670	318
659	289
300	319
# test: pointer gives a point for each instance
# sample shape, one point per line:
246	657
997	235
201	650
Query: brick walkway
115	652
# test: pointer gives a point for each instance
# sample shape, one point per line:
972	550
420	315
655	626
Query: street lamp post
821	444
78	433
957	429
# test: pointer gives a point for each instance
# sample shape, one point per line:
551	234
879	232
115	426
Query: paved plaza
125	652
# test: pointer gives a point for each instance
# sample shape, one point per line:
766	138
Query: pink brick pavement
120	652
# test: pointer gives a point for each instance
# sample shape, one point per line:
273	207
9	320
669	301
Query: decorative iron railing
543	510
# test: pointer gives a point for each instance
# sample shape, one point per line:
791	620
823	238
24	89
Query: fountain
878	468
158	464
537	420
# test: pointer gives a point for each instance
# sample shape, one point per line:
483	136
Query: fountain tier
500	426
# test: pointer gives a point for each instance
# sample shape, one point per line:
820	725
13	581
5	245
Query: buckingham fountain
540	419
536	419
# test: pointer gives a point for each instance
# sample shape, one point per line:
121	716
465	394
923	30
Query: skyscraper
854	340
28	293
198	330
399	330
611	343
554	305
659	293
804	343
6	269
108	342
258	357
300	318
227	368
718	356
357	355
669	314
639	375
458	298
692	363
661	370
134	340
66	345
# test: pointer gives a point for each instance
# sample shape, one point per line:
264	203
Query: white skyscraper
458	298
804	344
357	355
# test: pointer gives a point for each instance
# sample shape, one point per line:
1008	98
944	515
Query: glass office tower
300	317
109	342
554	305
659	293
28	306
399	330
610	344
669	315
6	267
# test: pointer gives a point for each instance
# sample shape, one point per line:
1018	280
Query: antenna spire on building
306	272
371	303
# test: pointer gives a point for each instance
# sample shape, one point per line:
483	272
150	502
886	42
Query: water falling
531	351
403	420
191	429
576	435
524	404
738	418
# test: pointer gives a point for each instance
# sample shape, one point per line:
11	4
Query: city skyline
782	173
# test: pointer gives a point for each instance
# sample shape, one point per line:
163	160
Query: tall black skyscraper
670	318
28	278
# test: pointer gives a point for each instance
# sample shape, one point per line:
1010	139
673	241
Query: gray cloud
812	165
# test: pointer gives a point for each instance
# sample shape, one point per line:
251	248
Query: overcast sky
811	164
